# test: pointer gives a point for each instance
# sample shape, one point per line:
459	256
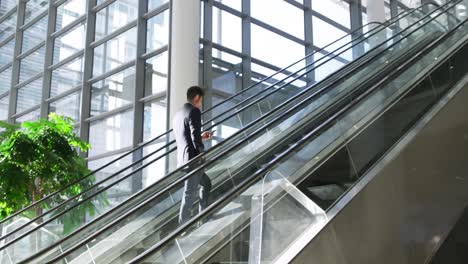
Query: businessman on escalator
189	138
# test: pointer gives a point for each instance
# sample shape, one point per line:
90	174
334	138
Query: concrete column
376	11
185	35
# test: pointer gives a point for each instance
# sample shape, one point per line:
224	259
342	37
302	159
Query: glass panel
152	4
69	43
6	52
227	30
156	74
34	34
280	14
29	95
67	76
111	133
270	47
8	27
155	118
5	80
157	31
226	73
327	69
67	106
7	5
4	102
31	116
113	92
115	52
69	12
114	16
325	34
34	8
32	64
339	14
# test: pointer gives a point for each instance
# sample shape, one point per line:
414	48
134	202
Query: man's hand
206	135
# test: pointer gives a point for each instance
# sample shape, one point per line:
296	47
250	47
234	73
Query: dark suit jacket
187	129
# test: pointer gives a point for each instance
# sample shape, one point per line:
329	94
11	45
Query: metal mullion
28	81
225	49
109	153
85	106
138	106
6	66
394	8
277	31
5	41
68	27
155	52
66	60
157	11
103	5
246	44
25	112
355	9
110	113
4	94
48	59
8	14
111	72
59	2
297	4
15	64
309	39
226	8
153	97
332	22
31	50
64	94
34	20
206	81
114	34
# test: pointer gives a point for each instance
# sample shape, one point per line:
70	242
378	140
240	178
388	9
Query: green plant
39	158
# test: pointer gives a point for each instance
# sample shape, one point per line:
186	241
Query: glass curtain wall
79	58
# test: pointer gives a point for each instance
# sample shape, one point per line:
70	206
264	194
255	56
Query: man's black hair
193	91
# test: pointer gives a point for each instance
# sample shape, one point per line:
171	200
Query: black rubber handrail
136	170
264	170
167	132
167	145
185	177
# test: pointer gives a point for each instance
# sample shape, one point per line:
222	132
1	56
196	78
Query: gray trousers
190	194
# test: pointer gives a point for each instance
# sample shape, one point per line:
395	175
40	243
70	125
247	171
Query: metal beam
139	92
15	66
48	60
85	106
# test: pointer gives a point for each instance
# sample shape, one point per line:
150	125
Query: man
187	130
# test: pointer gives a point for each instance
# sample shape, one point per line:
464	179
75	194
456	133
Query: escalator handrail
167	132
170	130
188	164
264	170
185	177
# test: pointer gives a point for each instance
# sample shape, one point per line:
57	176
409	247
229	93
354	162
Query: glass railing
161	150
157	215
269	98
269	220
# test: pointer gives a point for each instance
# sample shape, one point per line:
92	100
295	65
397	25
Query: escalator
237	113
266	172
304	192
256	108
